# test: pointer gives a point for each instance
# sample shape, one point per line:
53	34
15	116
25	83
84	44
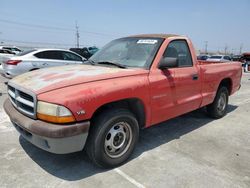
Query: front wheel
218	108
112	138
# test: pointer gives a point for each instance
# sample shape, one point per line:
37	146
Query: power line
37	43
53	28
34	25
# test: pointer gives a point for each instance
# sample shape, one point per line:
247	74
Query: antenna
77	35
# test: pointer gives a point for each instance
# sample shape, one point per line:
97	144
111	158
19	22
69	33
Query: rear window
227	58
25	52
52	54
215	57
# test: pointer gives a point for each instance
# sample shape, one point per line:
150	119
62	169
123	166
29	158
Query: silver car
13	49
37	59
219	58
5	54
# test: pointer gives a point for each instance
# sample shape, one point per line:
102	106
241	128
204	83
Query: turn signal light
56	119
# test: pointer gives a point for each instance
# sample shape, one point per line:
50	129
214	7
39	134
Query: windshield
130	52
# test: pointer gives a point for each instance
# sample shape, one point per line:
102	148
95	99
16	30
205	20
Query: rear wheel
112	138
218	108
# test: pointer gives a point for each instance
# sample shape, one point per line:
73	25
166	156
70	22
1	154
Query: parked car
85	52
5	54
246	61
219	58
236	58
37	59
104	104
13	49
93	49
203	57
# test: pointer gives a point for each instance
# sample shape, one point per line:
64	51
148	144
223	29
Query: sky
223	23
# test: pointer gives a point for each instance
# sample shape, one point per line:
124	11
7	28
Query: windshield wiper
112	63
90	61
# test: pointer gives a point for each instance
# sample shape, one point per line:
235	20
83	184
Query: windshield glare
130	52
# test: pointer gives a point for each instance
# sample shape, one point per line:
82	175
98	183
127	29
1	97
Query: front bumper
59	139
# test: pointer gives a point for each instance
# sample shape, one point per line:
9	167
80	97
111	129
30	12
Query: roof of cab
156	35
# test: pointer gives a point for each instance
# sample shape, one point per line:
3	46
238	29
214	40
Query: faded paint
56	77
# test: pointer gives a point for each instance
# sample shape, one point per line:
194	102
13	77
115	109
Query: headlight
53	113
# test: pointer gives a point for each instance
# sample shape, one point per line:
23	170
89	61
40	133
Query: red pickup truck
130	84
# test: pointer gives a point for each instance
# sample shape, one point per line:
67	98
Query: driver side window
179	49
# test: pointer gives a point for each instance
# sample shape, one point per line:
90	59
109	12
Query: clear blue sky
224	22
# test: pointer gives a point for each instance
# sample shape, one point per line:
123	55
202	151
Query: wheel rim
118	139
222	102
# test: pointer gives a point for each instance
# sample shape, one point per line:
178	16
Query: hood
48	79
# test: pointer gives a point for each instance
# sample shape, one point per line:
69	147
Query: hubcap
118	139
222	102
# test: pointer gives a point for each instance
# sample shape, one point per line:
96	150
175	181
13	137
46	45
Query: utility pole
241	47
77	36
206	44
225	49
1	42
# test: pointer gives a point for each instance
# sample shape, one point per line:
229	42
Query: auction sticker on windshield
146	41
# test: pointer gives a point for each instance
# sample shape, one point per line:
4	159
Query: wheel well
133	104
227	82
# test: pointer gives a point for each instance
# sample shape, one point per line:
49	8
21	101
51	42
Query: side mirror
168	62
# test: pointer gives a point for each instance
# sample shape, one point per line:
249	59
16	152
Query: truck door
176	90
186	77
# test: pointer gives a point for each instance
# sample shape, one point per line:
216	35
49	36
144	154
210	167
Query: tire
218	108
112	138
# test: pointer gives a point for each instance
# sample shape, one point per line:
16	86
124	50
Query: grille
22	101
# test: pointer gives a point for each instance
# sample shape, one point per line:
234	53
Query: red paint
164	94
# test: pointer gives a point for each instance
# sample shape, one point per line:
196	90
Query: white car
219	58
13	49
37	59
5	54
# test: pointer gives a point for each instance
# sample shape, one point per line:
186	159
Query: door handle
195	77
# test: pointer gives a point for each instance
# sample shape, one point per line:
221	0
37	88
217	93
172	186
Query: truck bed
212	72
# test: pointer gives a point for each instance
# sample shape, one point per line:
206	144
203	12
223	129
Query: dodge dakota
130	84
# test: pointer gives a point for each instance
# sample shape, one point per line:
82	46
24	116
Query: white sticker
146	41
